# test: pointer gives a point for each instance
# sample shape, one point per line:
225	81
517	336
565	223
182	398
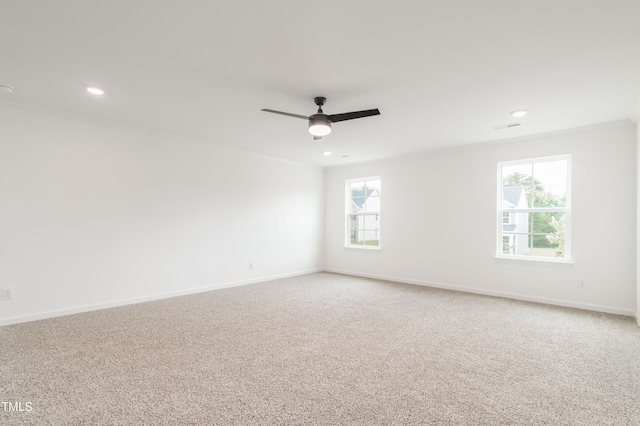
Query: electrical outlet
582	284
7	294
250	265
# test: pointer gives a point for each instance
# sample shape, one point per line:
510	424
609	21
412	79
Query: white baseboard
166	295
564	303
149	298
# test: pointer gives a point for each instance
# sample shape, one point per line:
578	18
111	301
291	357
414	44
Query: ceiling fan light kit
95	90
320	123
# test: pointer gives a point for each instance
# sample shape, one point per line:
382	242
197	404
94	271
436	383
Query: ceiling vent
506	126
5	88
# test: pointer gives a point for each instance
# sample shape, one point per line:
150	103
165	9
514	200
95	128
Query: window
534	209
363	213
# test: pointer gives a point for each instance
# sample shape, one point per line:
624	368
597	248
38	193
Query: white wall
637	121
94	216
438	221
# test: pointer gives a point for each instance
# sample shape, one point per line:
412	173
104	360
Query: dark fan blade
351	115
286	113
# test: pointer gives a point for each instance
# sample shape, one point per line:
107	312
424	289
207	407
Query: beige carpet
324	349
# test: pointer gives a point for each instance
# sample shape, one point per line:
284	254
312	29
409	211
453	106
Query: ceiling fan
320	123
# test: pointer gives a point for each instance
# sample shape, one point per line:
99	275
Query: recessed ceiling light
95	90
326	153
5	88
519	113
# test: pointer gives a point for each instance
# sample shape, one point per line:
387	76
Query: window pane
550	183
374	185
506	244
357	236
547	234
552	196
540	222
519	223
515	244
358	202
514	197
369	235
542	251
541	246
556	237
550	172
371	221
372	204
356	185
516	174
365	237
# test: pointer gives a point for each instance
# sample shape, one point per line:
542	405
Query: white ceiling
442	73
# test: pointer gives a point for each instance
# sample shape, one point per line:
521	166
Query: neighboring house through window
513	197
363	212
534	208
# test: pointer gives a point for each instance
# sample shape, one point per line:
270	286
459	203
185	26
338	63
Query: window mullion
537	210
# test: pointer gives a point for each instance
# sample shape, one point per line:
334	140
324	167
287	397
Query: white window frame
349	214
566	210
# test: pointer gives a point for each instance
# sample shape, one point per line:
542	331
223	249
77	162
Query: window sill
533	259
376	248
